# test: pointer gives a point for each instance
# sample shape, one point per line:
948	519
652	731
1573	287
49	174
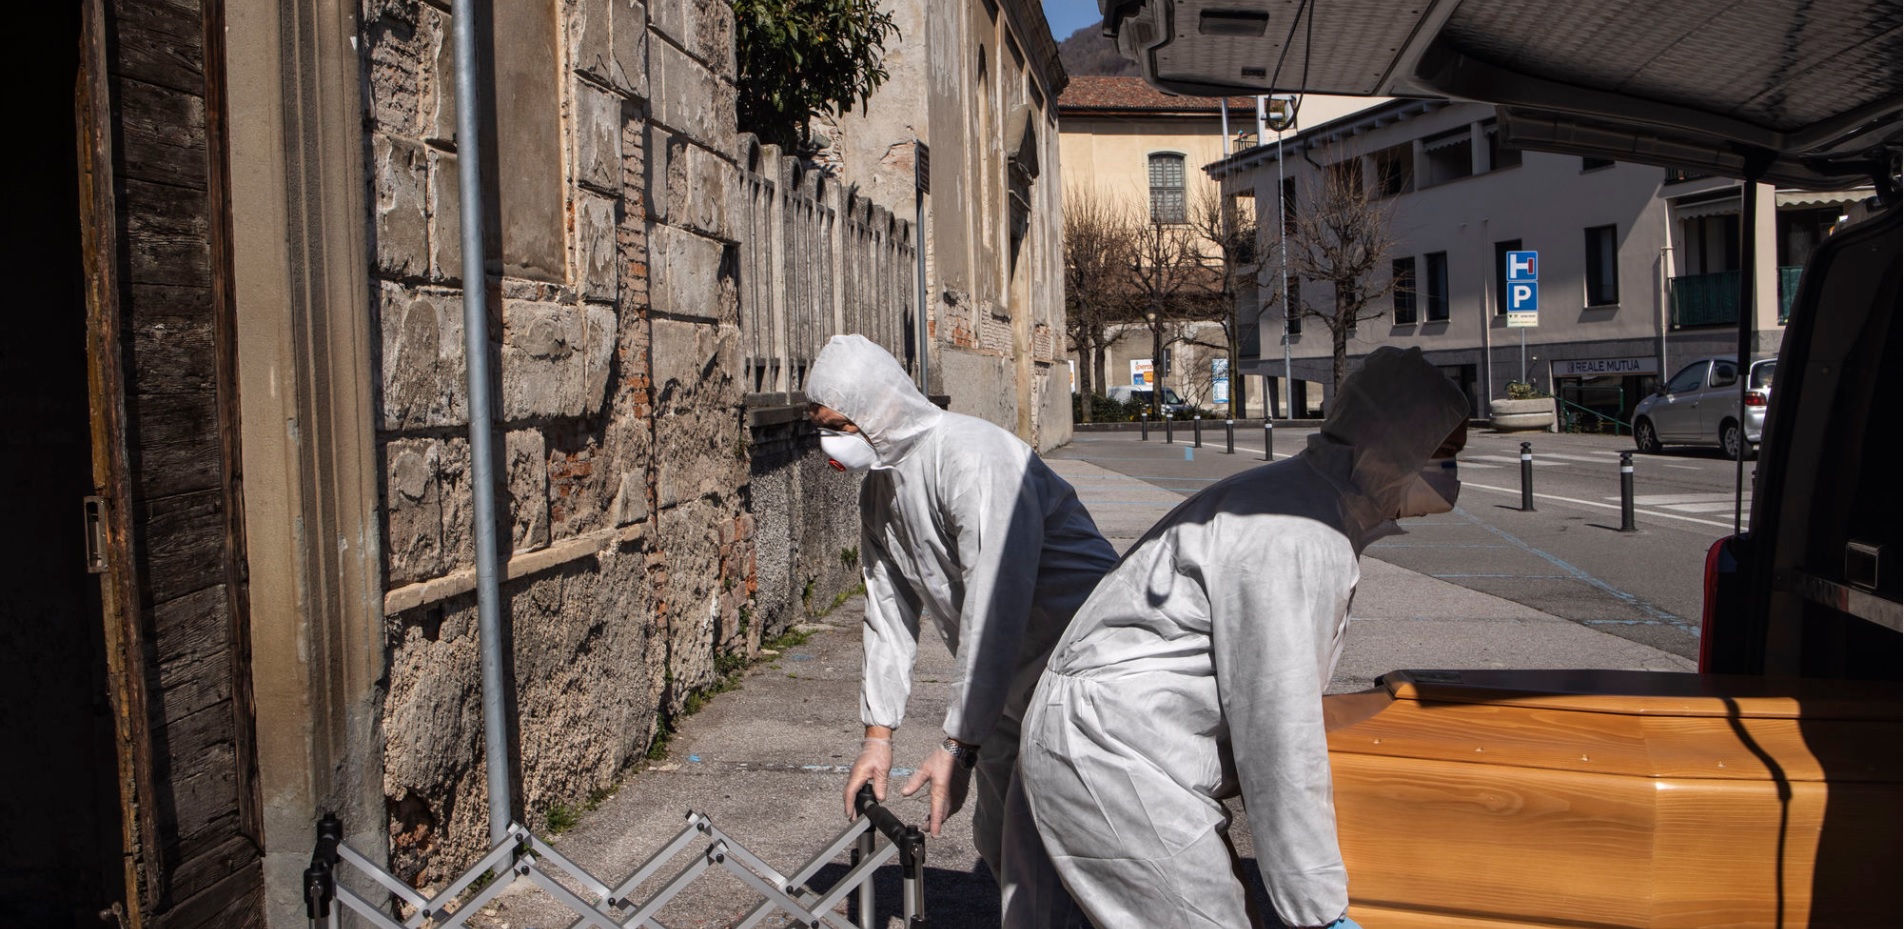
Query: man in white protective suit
1196	670
962	522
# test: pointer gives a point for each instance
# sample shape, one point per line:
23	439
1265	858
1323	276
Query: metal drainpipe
481	424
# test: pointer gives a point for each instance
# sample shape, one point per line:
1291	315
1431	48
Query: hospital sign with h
1523	289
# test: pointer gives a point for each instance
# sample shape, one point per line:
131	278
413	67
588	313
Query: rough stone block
631	499
597	137
595	246
424	379
528	467
446	218
697	409
687	96
674	19
714	35
699	189
684	272
629	70
599	338
541	371
393	57
660	148
438	92
401	173
413	548
551	355
591	37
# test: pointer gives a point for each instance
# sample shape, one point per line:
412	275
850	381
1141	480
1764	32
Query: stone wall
624	466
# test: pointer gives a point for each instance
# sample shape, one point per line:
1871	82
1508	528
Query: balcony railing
1713	299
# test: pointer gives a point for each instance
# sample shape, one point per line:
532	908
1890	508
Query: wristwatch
965	755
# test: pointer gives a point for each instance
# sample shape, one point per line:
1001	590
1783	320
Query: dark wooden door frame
119	583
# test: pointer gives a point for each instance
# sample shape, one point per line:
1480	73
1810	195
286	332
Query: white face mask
848	451
1435	489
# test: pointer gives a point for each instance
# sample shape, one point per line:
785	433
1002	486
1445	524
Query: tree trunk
1239	400
1085	392
1339	339
1098	348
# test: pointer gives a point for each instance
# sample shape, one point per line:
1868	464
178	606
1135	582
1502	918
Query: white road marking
1605	506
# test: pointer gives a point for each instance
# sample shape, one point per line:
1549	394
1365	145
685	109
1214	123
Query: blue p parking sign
1523	289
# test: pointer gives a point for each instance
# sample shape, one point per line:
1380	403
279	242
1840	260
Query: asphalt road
1567	558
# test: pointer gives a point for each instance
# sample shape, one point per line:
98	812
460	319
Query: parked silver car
1700	406
1172	404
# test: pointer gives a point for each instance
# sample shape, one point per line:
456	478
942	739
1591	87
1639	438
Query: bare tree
1231	233
1098	238
1341	238
1171	282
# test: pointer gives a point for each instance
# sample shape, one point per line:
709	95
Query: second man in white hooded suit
962	522
1196	671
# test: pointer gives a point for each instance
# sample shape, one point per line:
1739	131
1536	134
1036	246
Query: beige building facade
1144	150
1637	266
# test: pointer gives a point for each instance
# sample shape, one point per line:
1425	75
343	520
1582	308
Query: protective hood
866	385
1390	416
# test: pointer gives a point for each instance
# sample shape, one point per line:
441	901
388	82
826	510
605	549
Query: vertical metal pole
1523	354
912	877
1196	428
1229	437
1626	492
864	918
1527	477
1170	431
1282	244
1269	441
1748	311
923	336
1143	428
481	422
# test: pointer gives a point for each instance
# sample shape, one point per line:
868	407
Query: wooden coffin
1618	799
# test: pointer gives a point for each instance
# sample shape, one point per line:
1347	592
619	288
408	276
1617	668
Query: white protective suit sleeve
1279	593
998	524
890	637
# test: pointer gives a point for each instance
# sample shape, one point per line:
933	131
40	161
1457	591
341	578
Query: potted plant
1526	407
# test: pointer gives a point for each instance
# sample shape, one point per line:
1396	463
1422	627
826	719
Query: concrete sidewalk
767	762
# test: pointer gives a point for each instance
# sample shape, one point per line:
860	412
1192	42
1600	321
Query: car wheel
1730	438
1645	437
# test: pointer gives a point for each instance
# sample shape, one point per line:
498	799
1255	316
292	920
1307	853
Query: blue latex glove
1345	923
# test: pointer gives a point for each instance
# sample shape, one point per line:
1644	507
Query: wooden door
162	396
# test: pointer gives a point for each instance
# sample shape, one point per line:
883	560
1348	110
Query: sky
1068	16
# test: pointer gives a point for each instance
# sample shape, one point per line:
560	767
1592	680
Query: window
1346	175
1603	269
1292	305
1403	271
1166	188
1590	163
1501	156
1500	273
1691	377
1289	206
1437	289
1450	157
1395	170
1724	374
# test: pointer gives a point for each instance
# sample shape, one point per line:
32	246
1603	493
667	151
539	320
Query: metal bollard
1196	428
1229	437
1170	432
1527	477
1269	440
1626	492
1143	430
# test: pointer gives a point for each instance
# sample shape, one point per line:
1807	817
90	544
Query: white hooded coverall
1196	672
962	522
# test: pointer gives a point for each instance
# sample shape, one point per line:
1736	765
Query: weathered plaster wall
624	472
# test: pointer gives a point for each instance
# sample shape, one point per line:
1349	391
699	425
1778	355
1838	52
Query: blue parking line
1189	454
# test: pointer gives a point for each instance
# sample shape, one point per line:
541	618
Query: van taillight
1754	398
1717	558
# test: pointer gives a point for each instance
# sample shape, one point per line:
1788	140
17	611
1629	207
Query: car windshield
1762	375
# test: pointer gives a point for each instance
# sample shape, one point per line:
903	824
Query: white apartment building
1638	266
